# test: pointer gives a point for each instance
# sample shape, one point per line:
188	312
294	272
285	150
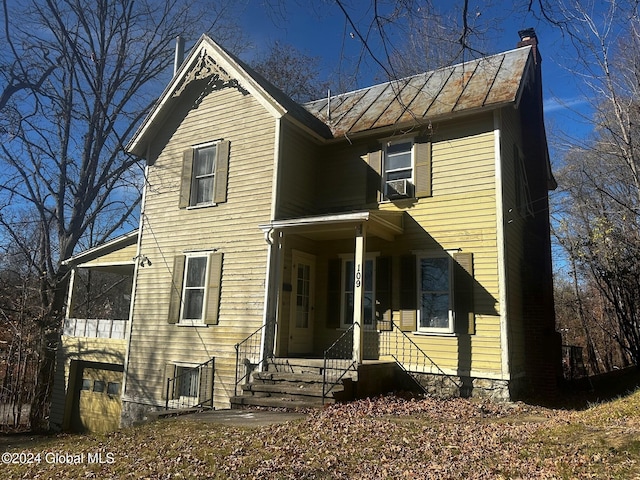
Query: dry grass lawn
371	439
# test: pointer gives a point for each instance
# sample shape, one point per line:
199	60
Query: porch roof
385	225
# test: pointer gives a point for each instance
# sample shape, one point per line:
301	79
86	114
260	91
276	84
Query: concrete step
287	388
294	383
286	377
243	401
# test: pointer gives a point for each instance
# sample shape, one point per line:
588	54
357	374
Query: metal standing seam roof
486	82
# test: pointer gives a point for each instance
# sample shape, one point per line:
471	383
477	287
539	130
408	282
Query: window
98	386
204	166
195	289
204	175
303	295
113	388
398	170
348	290
188	379
188	385
86	384
435	312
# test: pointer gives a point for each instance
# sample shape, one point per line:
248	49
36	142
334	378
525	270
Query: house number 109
358	277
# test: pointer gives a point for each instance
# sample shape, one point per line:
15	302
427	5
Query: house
398	229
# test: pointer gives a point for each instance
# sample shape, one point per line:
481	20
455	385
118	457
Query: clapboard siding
461	214
297	180
121	256
230	227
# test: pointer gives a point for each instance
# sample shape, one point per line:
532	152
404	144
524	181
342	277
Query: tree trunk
51	340
41	403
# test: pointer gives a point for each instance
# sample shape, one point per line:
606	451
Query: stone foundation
454	386
134	413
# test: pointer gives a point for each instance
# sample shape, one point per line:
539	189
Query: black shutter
334	292
408	294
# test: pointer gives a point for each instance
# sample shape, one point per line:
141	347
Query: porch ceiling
385	225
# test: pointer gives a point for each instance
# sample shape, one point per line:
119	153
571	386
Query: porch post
358	292
273	274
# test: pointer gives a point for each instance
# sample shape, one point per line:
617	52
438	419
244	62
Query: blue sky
322	31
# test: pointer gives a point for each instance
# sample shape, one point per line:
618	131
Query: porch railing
338	361
248	356
191	387
95	328
407	354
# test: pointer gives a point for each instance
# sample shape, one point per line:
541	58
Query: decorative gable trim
206	67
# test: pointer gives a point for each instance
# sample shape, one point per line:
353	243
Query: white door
302	303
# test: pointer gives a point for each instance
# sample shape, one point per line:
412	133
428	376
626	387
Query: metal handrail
248	356
406	352
340	351
174	382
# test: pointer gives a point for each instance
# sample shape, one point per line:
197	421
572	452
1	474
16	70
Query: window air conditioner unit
398	188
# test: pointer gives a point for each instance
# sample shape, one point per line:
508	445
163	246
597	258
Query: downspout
271	300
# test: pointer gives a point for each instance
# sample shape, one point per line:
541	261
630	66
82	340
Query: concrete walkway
244	418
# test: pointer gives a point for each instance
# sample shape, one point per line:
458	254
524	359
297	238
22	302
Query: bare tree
100	65
600	205
292	71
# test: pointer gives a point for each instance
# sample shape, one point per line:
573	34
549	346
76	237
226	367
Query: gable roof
488	82
207	59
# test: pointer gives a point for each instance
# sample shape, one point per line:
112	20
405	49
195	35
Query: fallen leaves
386	437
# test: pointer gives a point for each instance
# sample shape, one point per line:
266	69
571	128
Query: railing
407	354
338	360
191	387
248	356
95	328
572	362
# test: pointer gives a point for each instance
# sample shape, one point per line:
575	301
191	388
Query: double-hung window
204	174
349	278
398	170
195	289
194	286
435	298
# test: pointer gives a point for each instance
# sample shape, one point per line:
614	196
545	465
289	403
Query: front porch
328	274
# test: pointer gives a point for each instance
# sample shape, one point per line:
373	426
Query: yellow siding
230	227
297	181
122	255
461	214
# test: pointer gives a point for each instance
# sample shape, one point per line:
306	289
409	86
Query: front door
302	303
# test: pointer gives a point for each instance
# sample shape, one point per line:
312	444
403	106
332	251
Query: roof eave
124	240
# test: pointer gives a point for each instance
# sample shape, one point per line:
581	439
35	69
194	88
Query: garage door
98	400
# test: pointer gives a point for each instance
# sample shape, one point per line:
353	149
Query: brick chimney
528	37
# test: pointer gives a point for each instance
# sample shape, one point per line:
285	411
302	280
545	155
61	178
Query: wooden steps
291	383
